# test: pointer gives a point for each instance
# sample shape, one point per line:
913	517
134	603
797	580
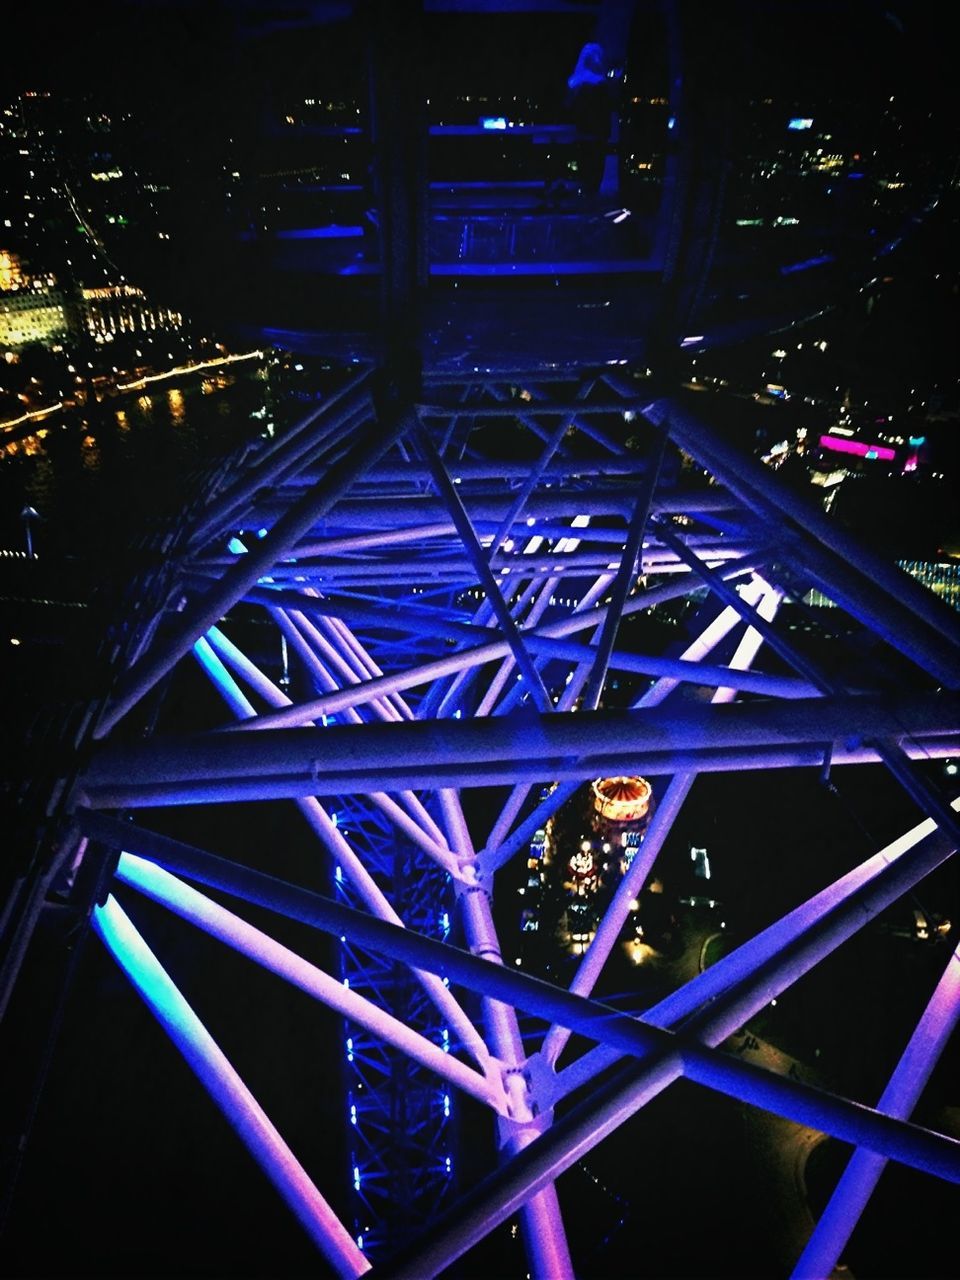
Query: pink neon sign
839	445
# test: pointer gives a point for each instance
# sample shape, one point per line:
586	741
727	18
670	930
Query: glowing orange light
622	799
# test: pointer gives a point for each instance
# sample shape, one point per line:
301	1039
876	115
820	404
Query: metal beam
626	576
481	566
217	1075
878	593
185	901
351	757
838	1220
660	1050
369	443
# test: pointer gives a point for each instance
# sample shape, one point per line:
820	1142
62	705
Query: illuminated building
941	577
123	308
32	308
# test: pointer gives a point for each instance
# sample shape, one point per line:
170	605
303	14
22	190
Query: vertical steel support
545	1239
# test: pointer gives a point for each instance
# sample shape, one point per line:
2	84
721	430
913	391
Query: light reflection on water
96	472
175	405
91	452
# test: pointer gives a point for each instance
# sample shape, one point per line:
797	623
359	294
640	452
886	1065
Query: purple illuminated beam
416	822
545	1239
624	580
533	479
454	565
483	570
363	513
212	918
330	704
228	1091
760	951
634	1037
382	539
369	443
495	687
728	594
102	788
442	696
632	1087
333	839
498	470
364	664
327	667
444	699
518	795
350	758
541	408
888	748
498	559
618	910
276	460
500	848
217	648
851	1121
901	1095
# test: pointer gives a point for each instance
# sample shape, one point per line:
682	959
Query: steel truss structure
449	579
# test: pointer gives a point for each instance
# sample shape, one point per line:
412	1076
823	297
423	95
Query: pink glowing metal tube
850	1121
190	904
332	838
669	807
709	986
901	1095
584	1128
331	703
220	1079
544	1234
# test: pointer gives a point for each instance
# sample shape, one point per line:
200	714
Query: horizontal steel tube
360	515
496	470
315	752
533	408
128	792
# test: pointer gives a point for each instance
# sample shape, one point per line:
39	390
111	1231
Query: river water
95	473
